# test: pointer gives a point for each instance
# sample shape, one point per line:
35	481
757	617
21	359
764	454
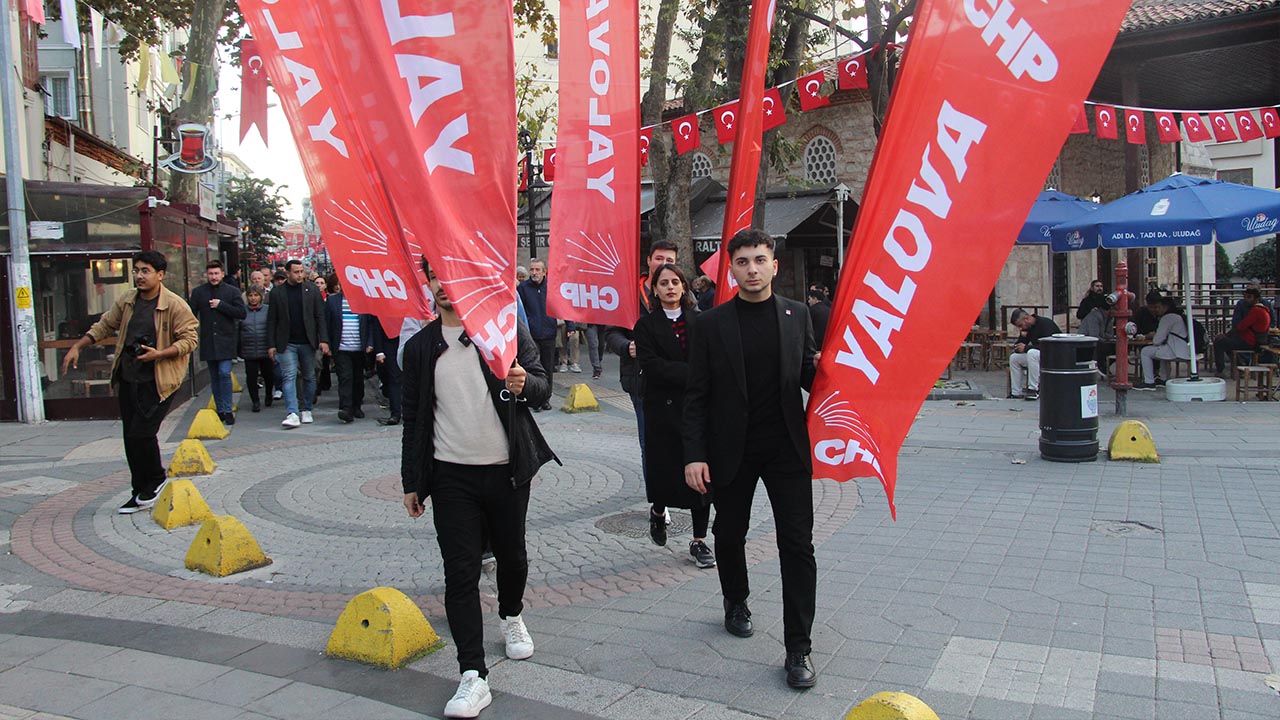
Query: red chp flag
744	169
1222	130
1270	122
1135	127
377	262
810	88
1195	127
1167	127
977	119
1249	129
595	216
685	132
253	90
853	74
435	81
726	122
1104	119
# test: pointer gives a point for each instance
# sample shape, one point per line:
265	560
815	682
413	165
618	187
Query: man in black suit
743	422
296	330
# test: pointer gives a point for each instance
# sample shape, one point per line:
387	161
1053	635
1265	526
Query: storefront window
70	294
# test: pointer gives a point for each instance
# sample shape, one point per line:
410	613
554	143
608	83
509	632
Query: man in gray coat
218	307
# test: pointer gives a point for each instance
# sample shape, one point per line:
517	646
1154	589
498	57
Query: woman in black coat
662	350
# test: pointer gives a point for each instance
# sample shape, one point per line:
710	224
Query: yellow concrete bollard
180	505
382	627
580	399
235	384
891	706
235	406
1132	440
223	547
191	458
207	426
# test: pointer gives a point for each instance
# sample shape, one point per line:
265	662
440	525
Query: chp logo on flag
596	256
472	283
844	437
354	223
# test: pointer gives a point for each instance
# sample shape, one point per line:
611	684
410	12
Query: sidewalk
1009	587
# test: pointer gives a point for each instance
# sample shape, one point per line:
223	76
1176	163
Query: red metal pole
1120	381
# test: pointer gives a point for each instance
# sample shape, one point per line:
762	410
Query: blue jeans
299	359
220	384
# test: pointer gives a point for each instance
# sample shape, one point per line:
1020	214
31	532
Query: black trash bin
1068	398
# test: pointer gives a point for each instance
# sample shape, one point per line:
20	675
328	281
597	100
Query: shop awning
94	218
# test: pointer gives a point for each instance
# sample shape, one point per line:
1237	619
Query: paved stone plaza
1008	587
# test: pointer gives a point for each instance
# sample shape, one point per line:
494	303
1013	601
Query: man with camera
155	331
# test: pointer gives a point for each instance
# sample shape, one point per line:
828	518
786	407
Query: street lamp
533	181
842	192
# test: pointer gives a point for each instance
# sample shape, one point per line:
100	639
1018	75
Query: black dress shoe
344	416
800	672
227	418
393	420
737	619
257	407
357	413
658	529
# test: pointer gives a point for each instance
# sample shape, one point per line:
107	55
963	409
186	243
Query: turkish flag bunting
685	131
35	10
549	164
810	89
1222	130
963	127
1249	129
253	90
1271	122
774	113
646	139
594	236
1081	126
726	122
1104	120
1197	131
1167	127
378	262
853	73
1135	127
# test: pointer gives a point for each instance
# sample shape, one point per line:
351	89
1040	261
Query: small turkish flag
1081	125
1249	129
726	122
549	164
646	137
810	88
1222	130
1135	127
1105	121
1271	122
774	114
523	169
853	73
1167	127
1197	131
685	131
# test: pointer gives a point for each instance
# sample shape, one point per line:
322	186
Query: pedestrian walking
219	308
662	349
350	334
155	331
386	362
472	446
298	330
543	327
254	345
744	422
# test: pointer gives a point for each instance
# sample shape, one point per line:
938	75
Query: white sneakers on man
291	420
472	697
516	635
307	417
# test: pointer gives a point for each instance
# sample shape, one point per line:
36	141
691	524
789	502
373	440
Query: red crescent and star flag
852	74
1222	130
810	89
977	118
1270	123
1195	127
1167	127
595	214
1104	119
1135	127
253	90
685	132
1248	127
726	117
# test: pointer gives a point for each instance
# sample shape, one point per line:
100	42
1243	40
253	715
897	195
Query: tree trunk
786	72
879	65
651	114
207	17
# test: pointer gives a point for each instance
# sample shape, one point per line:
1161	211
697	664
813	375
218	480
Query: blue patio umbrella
1051	208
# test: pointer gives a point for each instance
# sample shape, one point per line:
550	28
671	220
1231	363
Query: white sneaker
575	367
519	644
307	417
562	368
277	394
666	515
472	697
291	420
148	502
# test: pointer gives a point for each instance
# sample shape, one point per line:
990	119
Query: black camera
135	348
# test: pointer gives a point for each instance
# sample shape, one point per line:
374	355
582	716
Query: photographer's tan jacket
175	325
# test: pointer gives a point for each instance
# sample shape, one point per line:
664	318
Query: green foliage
258	205
1222	262
1258	263
143	20
535	101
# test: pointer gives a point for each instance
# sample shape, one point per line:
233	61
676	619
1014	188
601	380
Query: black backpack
1202	337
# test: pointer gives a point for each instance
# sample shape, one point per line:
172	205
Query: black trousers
790	491
701	517
467	500
1224	346
253	368
141	412
389	374
547	356
350	365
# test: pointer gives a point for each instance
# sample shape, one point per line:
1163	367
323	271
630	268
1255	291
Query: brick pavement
1009	587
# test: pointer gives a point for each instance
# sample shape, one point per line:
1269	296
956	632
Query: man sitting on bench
1024	362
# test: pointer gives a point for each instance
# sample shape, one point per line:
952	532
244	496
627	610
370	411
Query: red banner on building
377	262
595	210
977	118
253	90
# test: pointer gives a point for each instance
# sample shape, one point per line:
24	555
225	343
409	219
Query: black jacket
533	296
333	315
618	341
1042	328
666	373
716	406
253	334
819	315
219	337
527	449
312	317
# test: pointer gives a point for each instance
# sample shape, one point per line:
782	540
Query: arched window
701	165
820	161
